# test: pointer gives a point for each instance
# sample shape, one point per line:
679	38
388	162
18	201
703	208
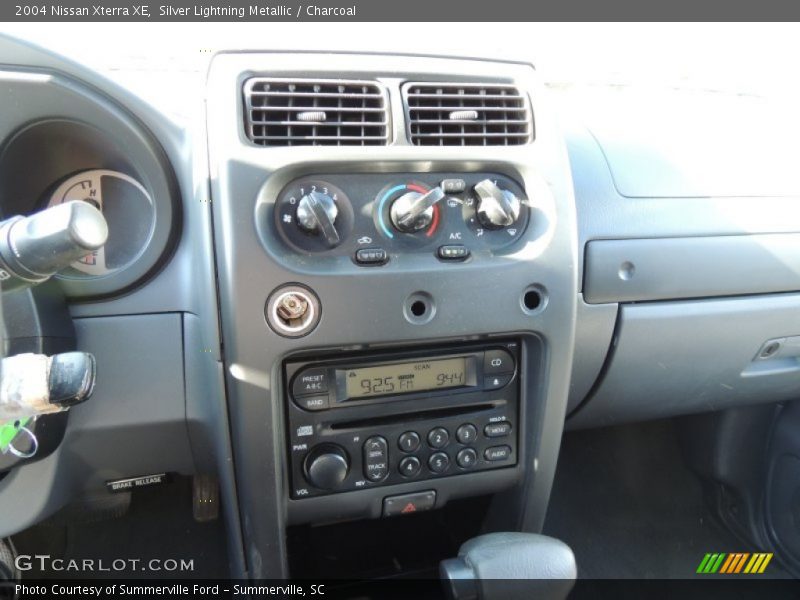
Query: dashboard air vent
308	112
454	114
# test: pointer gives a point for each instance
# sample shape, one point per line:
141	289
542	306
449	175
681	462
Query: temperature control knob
316	213
326	466
496	207
413	211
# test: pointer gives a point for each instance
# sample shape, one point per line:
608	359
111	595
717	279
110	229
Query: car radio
396	417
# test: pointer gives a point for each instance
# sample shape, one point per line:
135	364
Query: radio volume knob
327	466
316	213
496	207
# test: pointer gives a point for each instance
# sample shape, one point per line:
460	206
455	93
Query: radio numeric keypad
409	466
438	438
439	462
409	441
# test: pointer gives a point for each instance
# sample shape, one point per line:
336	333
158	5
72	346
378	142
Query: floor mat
629	508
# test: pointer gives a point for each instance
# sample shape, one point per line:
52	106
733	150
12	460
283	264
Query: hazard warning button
408	503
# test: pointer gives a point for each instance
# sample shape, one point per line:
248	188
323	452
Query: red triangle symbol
409	508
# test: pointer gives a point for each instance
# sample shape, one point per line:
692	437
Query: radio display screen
402	378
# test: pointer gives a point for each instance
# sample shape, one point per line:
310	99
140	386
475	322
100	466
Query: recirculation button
371	256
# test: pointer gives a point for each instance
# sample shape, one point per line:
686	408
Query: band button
313	402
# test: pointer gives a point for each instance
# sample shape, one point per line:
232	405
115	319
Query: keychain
13	431
36	384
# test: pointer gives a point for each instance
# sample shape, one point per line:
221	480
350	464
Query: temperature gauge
128	209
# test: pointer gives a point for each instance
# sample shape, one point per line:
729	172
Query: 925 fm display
417	376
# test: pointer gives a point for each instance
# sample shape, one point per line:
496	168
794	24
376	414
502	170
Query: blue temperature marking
383	199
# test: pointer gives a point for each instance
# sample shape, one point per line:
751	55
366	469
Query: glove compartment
693	356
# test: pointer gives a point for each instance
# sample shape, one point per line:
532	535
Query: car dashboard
362	285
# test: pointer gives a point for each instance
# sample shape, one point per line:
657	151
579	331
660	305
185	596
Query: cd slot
423	415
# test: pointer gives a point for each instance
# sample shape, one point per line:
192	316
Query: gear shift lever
510	566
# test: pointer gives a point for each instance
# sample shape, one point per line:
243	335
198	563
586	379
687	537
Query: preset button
409	441
409	466
467	433
466	458
439	462
438	437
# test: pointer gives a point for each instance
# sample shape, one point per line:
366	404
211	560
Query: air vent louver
316	113
451	114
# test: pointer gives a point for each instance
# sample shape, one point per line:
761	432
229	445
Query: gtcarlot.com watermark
44	562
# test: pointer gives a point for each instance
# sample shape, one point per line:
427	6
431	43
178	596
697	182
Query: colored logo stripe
734	563
711	563
758	563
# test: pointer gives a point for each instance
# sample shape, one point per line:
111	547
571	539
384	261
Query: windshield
154	61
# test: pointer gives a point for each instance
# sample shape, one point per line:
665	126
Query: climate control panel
373	218
357	423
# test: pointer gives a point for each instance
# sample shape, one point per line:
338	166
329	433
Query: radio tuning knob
496	207
413	211
316	213
326	466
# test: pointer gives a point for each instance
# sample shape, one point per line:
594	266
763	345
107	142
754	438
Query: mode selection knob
326	466
413	211
496	207
316	213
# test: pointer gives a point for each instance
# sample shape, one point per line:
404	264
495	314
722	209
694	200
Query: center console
397	263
